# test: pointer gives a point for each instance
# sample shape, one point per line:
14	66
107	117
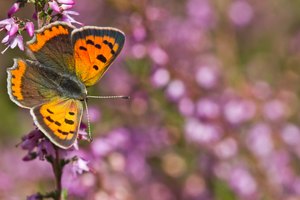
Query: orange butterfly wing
59	120
95	49
27	86
51	46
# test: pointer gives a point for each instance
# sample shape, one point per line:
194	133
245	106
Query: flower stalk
58	170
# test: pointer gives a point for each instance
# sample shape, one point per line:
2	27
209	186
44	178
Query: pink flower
15	7
241	13
175	89
80	166
30	141
61	5
242	182
29	26
12	42
54	6
12	38
13	30
161	77
38	145
6	24
67	17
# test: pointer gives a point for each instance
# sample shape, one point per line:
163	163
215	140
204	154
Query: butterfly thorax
65	84
72	88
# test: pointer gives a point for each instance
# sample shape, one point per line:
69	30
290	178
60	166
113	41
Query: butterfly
63	62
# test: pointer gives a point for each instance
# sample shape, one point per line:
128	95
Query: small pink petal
54	6
66	7
6	22
67	18
80	166
69	2
5	39
13	43
19	39
70	12
29	28
13	30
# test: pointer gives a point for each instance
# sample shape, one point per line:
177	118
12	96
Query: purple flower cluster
62	8
13	26
38	146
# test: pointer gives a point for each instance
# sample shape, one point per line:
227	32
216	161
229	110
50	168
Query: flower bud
29	26
15	7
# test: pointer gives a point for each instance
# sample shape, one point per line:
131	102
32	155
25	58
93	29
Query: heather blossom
13	9
61	7
12	39
14	25
38	146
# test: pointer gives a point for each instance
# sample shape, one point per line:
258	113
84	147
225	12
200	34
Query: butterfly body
66	85
63	62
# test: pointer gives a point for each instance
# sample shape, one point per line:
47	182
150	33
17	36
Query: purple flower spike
54	6
68	2
15	7
29	28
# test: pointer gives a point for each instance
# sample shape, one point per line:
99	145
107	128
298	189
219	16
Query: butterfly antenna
88	121
108	97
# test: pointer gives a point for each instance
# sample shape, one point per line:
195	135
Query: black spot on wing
62	132
57	123
49	111
90	42
83	48
109	44
68	121
101	58
98	46
95	67
49	119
